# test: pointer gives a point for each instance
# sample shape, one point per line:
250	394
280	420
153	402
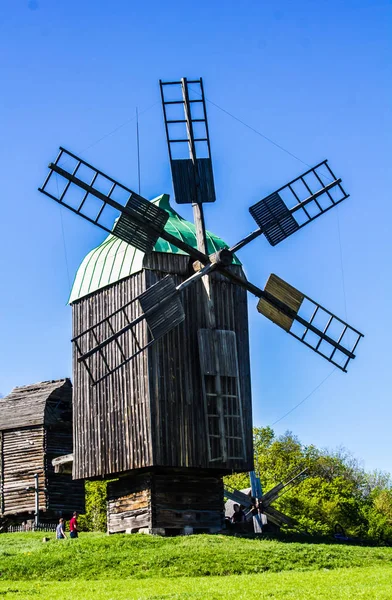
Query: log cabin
35	428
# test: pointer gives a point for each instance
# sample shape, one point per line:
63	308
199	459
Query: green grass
136	566
356	584
97	556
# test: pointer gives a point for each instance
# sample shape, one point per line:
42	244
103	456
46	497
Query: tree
337	488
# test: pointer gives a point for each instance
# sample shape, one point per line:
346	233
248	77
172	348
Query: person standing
238	515
73	526
60	530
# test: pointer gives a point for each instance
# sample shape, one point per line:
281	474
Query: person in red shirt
73	526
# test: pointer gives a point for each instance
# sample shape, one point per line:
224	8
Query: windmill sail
297	203
98	198
185	116
309	322
124	333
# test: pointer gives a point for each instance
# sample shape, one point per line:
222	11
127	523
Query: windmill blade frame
193	178
121	336
140	224
284	212
280	302
278	218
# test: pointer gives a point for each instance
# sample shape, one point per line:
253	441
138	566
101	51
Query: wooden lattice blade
297	203
126	332
98	198
186	125
309	322
162	307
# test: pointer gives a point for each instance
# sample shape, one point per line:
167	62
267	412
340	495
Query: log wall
28	447
22	457
166	502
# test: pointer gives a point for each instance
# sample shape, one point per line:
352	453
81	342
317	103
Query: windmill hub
223	257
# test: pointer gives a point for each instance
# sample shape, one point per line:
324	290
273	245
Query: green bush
95	517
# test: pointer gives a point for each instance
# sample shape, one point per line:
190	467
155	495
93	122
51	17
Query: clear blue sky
313	76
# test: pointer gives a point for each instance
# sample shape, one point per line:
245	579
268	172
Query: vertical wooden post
2	507
36	493
198	216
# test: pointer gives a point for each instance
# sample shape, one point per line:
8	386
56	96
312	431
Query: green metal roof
114	259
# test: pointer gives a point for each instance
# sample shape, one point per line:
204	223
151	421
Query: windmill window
321	320
347	339
325	200
306	309
194	90
180	151
339	358
313	183
300	190
325	348
178	131
56	185
222	398
297	329
175	112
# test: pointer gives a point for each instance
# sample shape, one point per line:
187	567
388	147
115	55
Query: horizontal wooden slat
284	292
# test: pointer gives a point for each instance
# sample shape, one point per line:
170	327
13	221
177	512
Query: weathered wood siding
178	416
35	427
129	504
112	428
63	494
151	412
22	457
166	500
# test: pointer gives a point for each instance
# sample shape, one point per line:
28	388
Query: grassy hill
122	566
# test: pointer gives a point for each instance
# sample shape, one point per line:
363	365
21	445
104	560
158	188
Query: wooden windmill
161	353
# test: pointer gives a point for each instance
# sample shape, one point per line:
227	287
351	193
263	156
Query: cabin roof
26	406
114	259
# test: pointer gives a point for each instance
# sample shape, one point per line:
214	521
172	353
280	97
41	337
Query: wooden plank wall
151	411
166	500
129	504
189	498
64	494
112	430
175	381
23	456
1	474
